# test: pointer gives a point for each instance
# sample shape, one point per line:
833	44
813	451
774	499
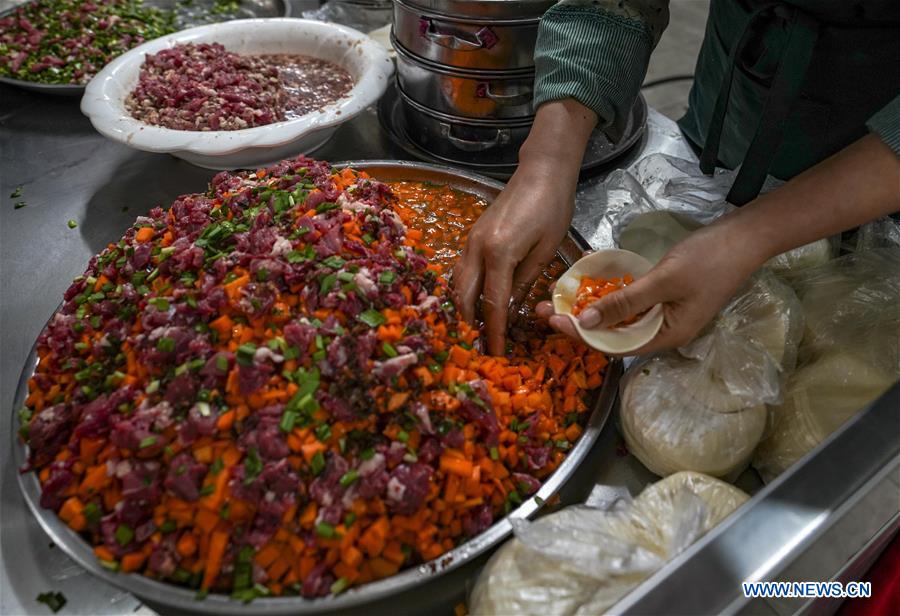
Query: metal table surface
69	172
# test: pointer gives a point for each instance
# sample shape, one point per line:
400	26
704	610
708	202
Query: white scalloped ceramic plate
367	61
608	264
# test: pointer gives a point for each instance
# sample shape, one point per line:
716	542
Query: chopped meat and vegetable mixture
203	87
69	41
266	390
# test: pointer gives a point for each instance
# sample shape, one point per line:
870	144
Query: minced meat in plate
204	87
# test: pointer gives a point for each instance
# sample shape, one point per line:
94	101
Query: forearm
596	52
856	185
558	138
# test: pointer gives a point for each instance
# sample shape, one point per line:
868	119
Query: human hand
519	233
509	245
693	281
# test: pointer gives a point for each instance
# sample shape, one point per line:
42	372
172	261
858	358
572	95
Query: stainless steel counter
68	172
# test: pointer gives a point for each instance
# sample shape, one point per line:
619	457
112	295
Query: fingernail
589	318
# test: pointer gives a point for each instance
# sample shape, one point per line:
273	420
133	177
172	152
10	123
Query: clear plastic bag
820	396
634	200
365	16
849	356
582	560
880	233
702	408
853	303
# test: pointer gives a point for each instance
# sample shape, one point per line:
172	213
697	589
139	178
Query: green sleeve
886	124
597	53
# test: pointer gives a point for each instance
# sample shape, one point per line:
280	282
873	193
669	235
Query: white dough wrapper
819	398
653	234
676	416
582	560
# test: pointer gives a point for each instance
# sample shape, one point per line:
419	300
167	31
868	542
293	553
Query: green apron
780	86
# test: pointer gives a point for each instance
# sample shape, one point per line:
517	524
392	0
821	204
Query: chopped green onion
287	421
323	432
165	345
349	478
327	283
124	534
252	466
386	277
245	354
92	513
340	586
55	600
372	318
317	464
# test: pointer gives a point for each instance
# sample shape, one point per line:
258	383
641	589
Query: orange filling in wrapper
591	290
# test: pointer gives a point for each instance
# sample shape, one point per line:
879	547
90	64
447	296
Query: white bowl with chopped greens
367	62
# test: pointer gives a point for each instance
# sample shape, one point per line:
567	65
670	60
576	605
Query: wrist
751	238
559	135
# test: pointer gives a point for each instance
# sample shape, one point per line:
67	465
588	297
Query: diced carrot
217	545
267	555
144	234
132	562
187	545
103	553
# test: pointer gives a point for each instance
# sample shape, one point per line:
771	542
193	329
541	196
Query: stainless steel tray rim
185	599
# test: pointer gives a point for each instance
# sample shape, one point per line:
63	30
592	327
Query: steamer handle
483	90
484	38
467	145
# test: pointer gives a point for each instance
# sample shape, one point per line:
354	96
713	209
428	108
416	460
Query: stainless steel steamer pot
467	94
409	587
465	140
465	35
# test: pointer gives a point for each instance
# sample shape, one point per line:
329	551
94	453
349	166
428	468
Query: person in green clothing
804	90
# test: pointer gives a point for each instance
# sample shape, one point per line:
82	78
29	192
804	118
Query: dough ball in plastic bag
565	558
720	498
653	234
810	255
676	416
582	560
766	314
819	398
853	304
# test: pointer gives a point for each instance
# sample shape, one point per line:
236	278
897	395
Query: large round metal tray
411	587
187	15
599	152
